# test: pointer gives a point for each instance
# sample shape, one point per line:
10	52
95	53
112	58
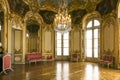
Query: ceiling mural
19	7
48	16
106	6
77	8
77	15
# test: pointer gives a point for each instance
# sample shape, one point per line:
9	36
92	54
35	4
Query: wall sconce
27	35
0	44
0	27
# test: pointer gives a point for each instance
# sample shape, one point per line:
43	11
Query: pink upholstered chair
74	57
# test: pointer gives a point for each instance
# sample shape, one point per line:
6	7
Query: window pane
59	51
58	41
59	35
96	23
89	24
95	33
58	45
89	52
66	36
89	43
95	52
95	43
66	43
65	51
89	34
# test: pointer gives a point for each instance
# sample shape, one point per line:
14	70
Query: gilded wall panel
18	40
47	38
109	40
109	37
76	41
48	41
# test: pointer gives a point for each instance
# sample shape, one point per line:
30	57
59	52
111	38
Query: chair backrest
74	55
6	62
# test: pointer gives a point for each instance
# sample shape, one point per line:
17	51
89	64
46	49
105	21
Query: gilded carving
16	21
49	5
34	5
76	4
91	7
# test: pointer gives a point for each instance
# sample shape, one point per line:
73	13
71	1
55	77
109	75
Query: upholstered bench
34	57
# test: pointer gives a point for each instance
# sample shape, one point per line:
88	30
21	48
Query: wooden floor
61	71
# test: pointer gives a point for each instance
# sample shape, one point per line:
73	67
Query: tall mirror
33	37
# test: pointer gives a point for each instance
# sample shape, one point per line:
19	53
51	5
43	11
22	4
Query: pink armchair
74	57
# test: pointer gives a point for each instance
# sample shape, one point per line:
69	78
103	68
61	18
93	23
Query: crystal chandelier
62	19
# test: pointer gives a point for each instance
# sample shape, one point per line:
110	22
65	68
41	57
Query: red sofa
34	57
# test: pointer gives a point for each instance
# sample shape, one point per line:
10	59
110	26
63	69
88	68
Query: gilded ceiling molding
34	6
29	15
96	1
89	16
26	1
49	5
76	4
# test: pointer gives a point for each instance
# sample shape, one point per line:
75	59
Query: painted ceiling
77	8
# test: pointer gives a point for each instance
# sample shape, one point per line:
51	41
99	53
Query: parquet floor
61	70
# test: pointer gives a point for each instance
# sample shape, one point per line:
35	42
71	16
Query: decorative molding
47	38
16	22
90	16
109	26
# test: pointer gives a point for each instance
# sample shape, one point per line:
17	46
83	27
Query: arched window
92	38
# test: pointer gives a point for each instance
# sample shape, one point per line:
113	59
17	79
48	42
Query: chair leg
3	72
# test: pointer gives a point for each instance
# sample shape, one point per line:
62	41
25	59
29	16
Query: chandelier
62	19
